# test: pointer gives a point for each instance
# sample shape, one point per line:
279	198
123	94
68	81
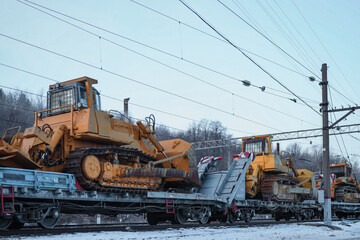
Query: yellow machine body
272	177
344	187
115	152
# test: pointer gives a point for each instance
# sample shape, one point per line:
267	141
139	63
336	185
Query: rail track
136	227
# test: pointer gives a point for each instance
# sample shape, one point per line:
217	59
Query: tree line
17	109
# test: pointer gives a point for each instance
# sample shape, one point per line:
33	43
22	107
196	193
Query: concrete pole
325	162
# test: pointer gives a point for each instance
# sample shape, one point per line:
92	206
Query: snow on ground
293	231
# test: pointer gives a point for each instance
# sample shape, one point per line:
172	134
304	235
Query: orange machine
271	177
104	150
344	187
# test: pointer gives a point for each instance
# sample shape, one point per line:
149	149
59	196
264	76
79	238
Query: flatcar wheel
5	223
277	217
298	216
231	217
222	219
204	216
180	216
152	218
51	220
16	224
248	217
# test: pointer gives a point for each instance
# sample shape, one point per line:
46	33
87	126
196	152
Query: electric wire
138	82
258	26
151	47
210	35
282	31
297	30
106	96
180	71
272	42
323	45
298	47
236	47
331	101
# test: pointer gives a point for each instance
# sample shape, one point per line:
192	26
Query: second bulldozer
271	177
104	150
344	187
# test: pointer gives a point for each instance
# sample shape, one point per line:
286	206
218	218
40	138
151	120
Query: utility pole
326	154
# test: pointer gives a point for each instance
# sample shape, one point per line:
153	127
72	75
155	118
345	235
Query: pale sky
335	24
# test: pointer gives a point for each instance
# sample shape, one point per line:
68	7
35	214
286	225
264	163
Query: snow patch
291	231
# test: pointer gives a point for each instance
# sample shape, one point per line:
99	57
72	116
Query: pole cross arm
340	119
344	109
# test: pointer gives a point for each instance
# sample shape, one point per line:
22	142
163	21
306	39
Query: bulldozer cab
77	92
257	144
341	169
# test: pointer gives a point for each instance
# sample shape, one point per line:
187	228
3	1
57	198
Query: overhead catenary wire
292	39
138	82
323	45
299	32
106	96
34	110
154	48
236	47
331	101
272	42
181	71
258	26
285	35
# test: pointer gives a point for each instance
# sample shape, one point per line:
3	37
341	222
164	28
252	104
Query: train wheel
339	216
152	218
277	217
222	219
51	219
298	217
5	223
248	217
180	216
16	224
231	217
204	216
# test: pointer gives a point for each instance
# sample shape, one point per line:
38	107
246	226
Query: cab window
83	97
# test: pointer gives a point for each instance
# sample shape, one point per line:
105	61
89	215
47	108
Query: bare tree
17	109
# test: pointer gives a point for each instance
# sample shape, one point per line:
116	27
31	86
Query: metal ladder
233	184
3	197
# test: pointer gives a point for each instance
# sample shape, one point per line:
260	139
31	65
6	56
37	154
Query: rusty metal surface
156	172
277	188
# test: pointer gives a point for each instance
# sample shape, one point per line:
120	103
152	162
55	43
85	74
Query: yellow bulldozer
271	177
104	150
344	187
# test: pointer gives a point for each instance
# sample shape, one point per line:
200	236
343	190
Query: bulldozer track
341	190
73	166
268	191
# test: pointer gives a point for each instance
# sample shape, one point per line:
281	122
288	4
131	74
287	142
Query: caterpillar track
276	188
346	194
73	166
